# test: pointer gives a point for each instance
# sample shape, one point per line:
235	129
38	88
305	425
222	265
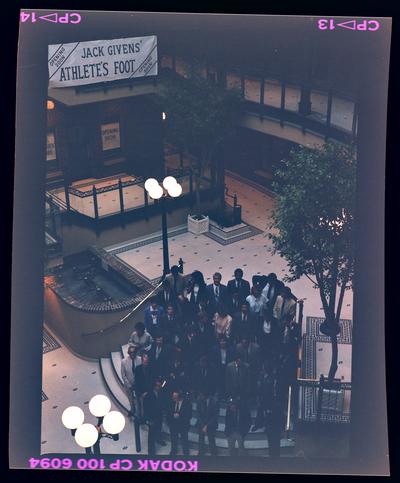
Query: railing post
146	203
53	219
283	94
305	100
95	205
67	201
262	93
121	195
191	182
354	123
329	109
300	318
137	435
320	394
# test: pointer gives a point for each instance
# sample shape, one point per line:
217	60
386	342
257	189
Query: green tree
201	115
313	225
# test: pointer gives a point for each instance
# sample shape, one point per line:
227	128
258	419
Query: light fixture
114	422
168	182
164	116
72	417
99	405
175	190
86	435
156	192
50	105
150	183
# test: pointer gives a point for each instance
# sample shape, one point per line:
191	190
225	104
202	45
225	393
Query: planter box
198	226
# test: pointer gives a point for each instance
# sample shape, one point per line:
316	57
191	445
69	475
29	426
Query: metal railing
267	94
86	202
121	321
320	403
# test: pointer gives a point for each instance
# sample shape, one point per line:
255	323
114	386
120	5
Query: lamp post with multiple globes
88	435
170	187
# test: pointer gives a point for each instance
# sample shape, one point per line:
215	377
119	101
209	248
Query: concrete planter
198	224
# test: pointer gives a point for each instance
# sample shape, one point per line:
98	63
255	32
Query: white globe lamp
114	422
175	190
169	182
99	405
72	417
150	184
156	192
86	435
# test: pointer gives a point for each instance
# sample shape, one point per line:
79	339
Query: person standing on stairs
153	405
179	414
128	369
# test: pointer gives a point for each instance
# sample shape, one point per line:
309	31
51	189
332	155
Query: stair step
221	441
116	359
111	372
112	383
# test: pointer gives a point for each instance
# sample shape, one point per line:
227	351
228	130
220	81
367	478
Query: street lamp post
88	435
170	188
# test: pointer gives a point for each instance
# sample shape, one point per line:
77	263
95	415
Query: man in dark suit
153	415
205	332
179	413
190	347
171	325
242	287
161	356
274	426
166	295
144	379
222	354
237	425
237	378
217	293
249	352
153	316
203	376
234	303
266	394
244	322
177	377
207	421
176	281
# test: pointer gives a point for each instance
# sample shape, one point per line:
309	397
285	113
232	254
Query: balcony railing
330	112
102	200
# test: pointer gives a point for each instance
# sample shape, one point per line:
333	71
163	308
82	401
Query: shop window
51	153
110	136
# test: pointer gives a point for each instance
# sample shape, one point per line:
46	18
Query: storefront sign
101	61
110	136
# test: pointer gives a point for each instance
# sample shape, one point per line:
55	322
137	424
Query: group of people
213	344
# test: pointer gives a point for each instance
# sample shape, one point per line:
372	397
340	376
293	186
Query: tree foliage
201	115
313	221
